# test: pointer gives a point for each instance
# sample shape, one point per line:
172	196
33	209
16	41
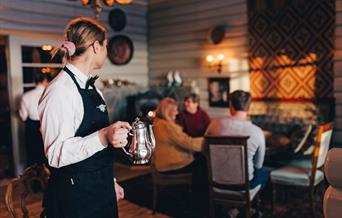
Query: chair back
304	139
322	144
33	180
323	139
227	161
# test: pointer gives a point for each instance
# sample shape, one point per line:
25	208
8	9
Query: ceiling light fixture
97	5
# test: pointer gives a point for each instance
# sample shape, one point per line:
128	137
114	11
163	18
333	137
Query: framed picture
120	50
218	91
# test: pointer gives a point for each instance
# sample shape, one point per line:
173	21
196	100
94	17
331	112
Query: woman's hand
120	194
115	134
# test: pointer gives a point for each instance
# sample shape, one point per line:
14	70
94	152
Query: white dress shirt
29	103
61	113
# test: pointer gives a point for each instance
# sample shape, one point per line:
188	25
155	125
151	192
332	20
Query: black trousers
34	143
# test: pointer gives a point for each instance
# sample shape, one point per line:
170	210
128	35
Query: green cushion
304	163
292	175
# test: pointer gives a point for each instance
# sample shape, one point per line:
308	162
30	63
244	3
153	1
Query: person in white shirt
79	141
28	112
237	124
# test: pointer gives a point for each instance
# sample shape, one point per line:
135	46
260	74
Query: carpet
174	201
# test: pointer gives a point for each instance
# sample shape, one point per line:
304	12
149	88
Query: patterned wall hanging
291	49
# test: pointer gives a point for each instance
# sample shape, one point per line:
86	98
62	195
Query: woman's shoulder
61	87
158	122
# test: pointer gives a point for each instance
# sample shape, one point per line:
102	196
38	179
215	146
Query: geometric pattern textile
291	48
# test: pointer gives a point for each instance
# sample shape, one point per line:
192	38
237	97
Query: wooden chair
305	174
161	179
332	203
228	173
34	179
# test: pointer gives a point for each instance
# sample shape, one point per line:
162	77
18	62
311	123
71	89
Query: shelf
42	65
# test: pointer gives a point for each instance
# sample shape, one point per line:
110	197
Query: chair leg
312	203
273	197
248	209
212	209
257	205
154	201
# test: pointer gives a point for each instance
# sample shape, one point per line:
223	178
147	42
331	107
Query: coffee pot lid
137	124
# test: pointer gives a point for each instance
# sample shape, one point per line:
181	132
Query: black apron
84	189
34	143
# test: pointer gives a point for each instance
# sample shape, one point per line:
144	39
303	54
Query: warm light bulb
151	114
220	57
109	3
47	47
210	58
85	2
124	2
46	70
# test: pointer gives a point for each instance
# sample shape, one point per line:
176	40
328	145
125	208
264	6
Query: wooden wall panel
36	22
178	41
337	136
51	16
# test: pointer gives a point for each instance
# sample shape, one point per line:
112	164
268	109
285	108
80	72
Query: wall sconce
215	62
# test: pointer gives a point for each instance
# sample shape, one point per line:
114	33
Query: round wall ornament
117	19
120	49
216	34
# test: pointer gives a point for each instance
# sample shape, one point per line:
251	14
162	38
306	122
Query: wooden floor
126	208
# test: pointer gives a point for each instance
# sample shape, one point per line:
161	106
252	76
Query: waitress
78	140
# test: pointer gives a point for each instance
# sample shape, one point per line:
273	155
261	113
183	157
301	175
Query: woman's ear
96	47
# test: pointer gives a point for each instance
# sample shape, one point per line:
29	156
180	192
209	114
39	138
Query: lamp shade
85	2
109	3
124	2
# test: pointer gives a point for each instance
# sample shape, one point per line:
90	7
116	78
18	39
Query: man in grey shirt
237	124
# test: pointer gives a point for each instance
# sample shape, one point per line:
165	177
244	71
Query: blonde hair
164	108
83	32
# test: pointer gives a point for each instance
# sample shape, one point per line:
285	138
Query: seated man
193	119
237	124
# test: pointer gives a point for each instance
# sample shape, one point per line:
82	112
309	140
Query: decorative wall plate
117	19
120	49
216	34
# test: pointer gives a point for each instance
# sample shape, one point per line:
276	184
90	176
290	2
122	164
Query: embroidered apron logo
102	107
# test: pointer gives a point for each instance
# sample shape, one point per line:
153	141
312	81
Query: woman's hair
83	32
164	108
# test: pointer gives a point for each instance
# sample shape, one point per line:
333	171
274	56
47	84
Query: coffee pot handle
130	133
126	152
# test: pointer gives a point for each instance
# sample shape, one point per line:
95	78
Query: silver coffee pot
143	143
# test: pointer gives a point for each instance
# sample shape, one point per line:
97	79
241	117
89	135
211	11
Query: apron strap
72	76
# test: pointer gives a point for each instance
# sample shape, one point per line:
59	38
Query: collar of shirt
80	76
195	114
238	119
40	87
